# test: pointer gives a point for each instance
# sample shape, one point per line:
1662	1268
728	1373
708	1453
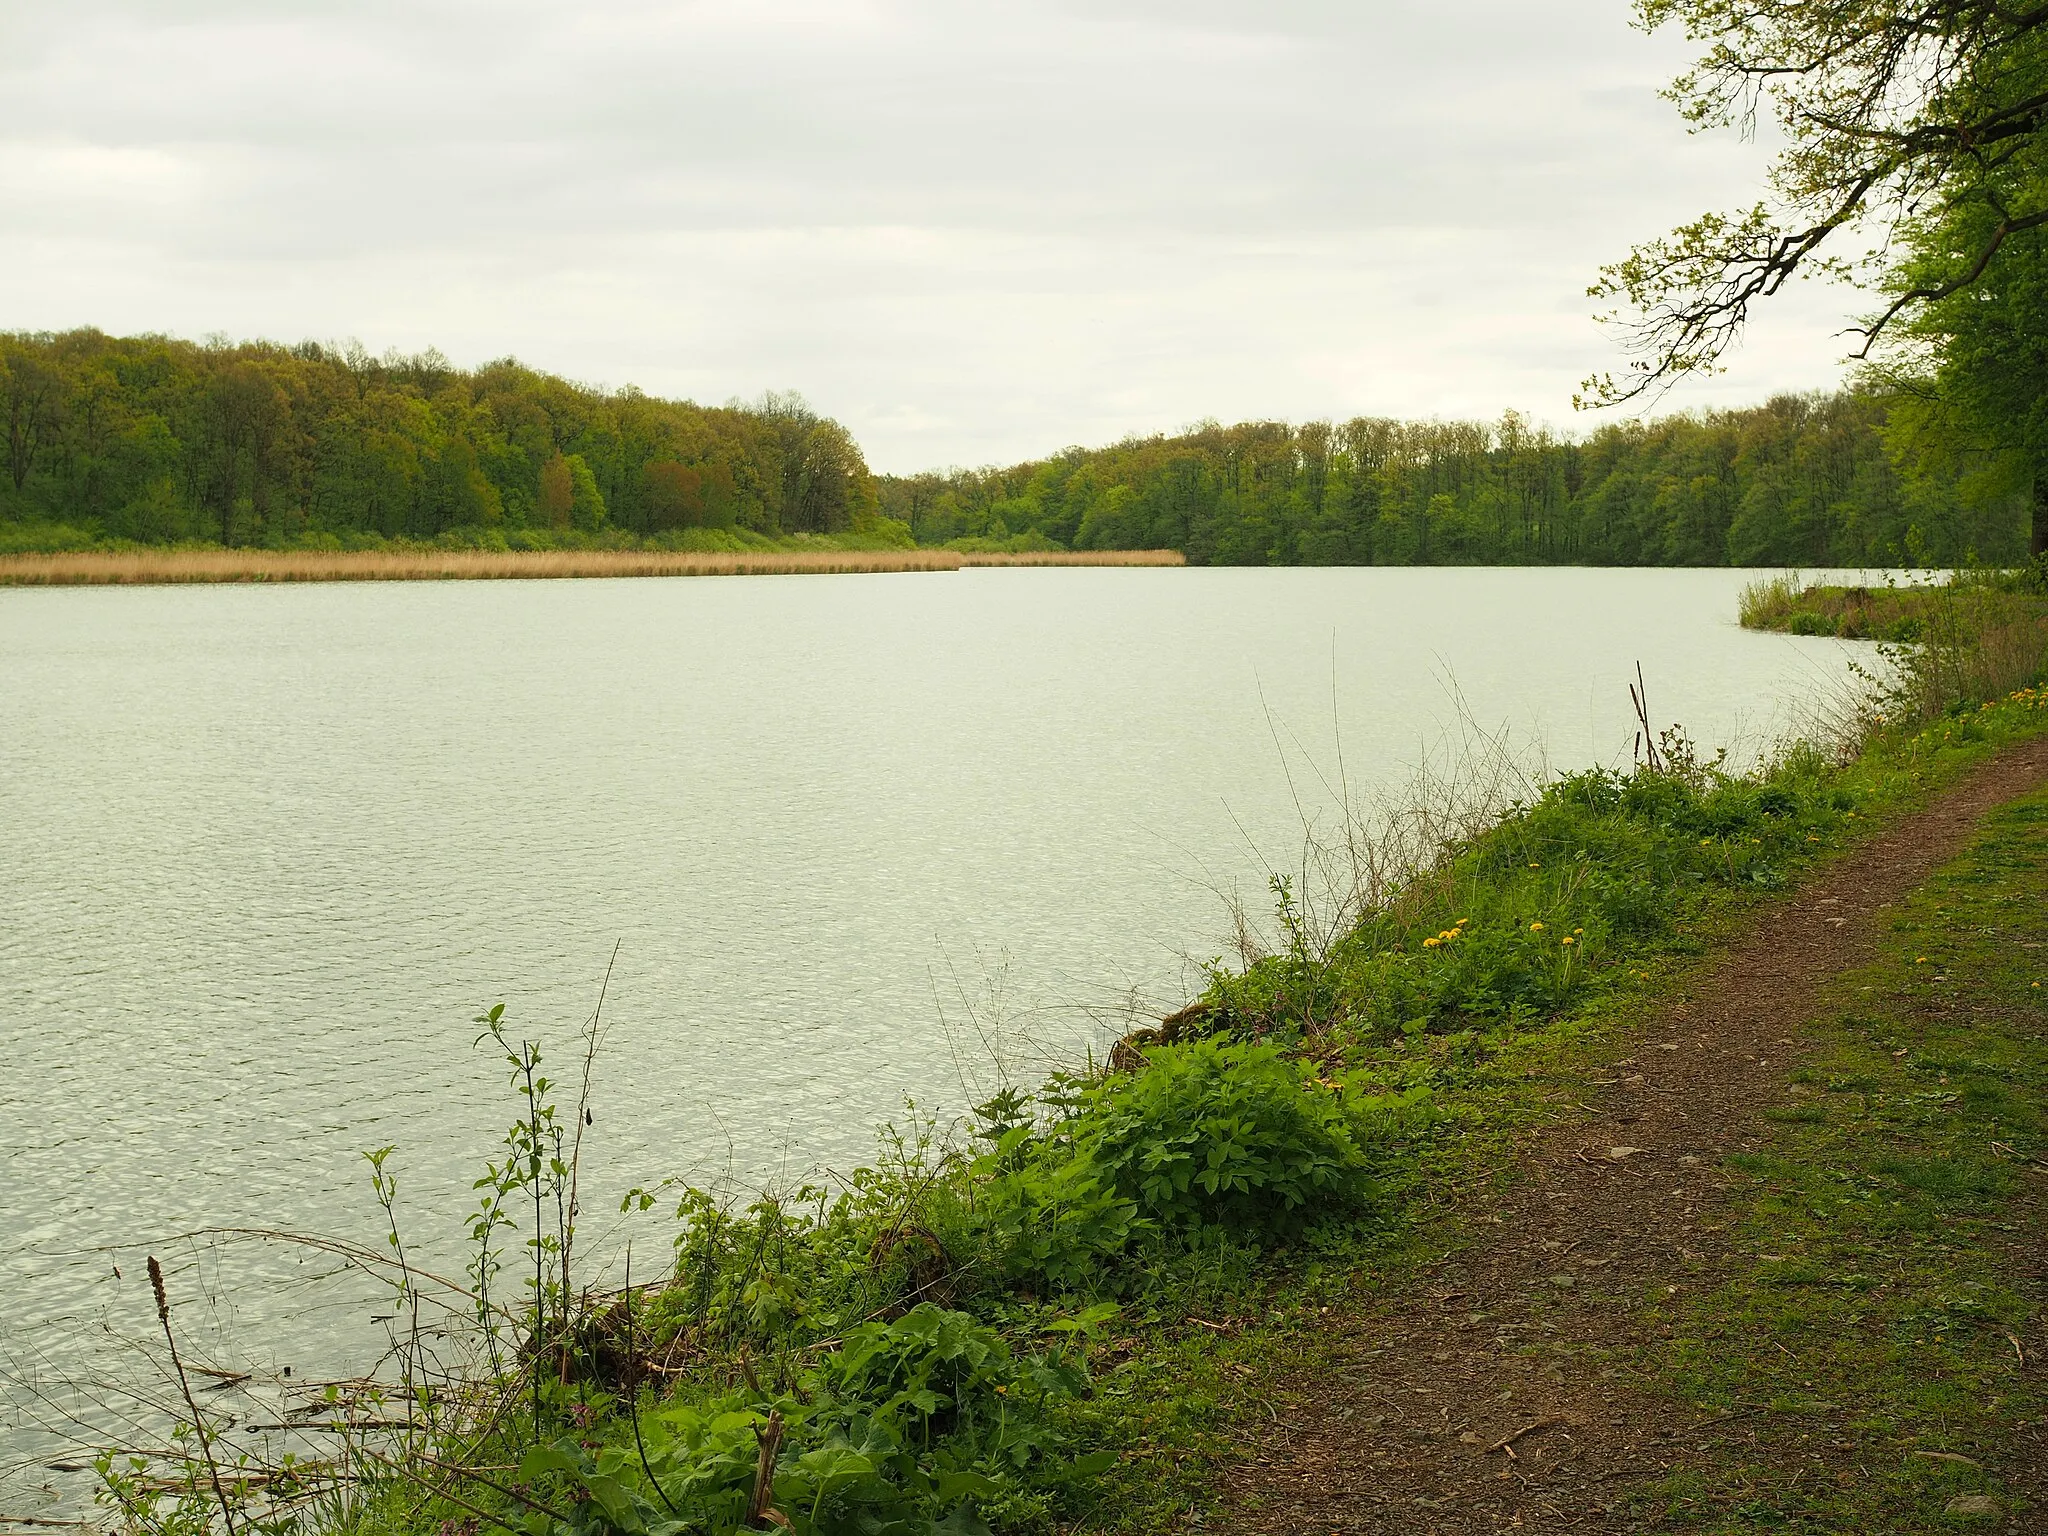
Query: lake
265	852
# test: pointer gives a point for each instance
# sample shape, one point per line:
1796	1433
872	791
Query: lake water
266	851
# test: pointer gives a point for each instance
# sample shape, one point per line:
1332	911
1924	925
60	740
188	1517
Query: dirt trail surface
1411	1433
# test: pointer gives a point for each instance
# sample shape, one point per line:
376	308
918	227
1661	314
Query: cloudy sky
974	230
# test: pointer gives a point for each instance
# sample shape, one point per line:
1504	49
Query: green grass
1881	1343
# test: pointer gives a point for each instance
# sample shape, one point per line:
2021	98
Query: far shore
147	567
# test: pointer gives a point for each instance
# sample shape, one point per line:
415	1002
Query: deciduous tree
1887	108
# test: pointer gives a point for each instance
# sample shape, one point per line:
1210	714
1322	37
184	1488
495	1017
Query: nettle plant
927	1425
1215	1135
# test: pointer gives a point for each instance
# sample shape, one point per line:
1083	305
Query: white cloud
974	231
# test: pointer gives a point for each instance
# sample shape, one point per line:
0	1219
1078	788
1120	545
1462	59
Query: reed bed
1082	557
141	567
155	566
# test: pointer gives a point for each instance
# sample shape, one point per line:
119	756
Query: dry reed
146	566
1082	557
158	566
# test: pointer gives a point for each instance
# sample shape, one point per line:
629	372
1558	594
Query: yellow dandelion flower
1535	927
1568	939
1431	943
1919	959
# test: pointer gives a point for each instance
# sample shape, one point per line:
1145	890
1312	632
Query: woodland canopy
1803	480
157	440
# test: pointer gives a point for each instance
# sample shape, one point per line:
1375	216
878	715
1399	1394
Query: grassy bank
1790	606
1866	1353
1973	635
1046	1318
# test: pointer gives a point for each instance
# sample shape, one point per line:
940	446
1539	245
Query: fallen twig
226	1378
1507	1441
2018	1156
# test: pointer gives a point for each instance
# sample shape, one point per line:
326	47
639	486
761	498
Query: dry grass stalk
199	1424
1366	855
155	566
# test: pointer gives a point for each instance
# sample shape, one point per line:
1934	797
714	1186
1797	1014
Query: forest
153	440
1803	480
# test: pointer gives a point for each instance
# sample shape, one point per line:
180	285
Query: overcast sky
974	232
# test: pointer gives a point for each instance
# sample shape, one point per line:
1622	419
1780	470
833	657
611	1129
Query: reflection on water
265	852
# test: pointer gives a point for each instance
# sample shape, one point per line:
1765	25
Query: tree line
158	440
155	440
1802	480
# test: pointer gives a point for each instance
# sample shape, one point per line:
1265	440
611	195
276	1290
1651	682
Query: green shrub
42	538
1211	1135
906	1429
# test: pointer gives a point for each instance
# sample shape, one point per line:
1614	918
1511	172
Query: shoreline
206	566
1362	1093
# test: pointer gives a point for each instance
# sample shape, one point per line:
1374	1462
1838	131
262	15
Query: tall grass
1979	635
1765	602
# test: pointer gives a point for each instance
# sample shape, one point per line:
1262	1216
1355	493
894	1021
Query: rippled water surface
266	851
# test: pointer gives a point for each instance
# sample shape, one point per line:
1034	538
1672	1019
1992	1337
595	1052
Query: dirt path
1404	1437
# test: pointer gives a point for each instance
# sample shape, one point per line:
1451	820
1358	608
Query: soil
1404	1435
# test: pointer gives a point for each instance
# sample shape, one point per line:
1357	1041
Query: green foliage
1885	112
1801	480
1517	926
1974	365
1212	1135
909	1427
150	440
1233	1135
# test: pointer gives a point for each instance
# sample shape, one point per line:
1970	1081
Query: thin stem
163	1316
